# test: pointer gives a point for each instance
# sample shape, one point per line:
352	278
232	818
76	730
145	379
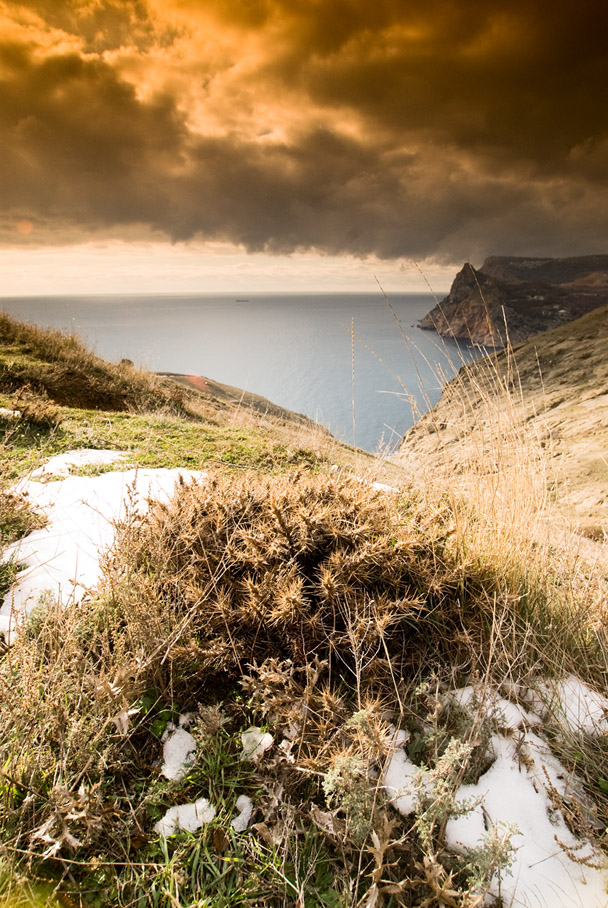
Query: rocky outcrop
515	298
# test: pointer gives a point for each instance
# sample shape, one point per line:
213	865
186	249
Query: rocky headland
513	298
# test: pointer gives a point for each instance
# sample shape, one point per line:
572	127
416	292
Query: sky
296	144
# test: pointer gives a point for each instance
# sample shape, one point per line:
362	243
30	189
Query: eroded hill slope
549	396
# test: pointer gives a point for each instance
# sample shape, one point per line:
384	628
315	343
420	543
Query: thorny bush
232	573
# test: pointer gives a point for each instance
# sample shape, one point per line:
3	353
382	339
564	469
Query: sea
354	362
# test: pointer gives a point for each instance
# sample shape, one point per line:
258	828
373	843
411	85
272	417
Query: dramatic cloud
398	128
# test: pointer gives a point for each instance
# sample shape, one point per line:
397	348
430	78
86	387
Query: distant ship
241	300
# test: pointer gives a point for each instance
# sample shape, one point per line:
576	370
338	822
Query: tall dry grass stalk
482	449
488	447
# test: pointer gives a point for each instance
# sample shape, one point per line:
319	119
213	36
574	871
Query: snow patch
513	716
64	556
255	743
572	702
514	791
508	714
374	484
64	464
178	752
400	776
383	487
244	805
185	818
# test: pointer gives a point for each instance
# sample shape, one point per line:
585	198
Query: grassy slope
282	594
557	390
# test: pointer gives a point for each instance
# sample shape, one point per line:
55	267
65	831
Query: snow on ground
65	464
178	750
505	712
185	817
255	743
63	557
521	788
400	776
190	817
244	805
515	791
573	704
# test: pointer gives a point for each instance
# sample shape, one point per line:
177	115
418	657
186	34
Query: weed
35	410
17	519
346	787
494	857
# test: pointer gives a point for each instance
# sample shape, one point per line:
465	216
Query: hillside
235	669
231	397
551	391
65	397
521	296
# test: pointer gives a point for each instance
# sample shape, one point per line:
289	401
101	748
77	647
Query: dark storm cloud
395	128
521	81
79	145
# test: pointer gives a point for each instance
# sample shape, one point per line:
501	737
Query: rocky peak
516	297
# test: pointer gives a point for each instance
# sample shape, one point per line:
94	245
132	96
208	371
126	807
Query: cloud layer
394	128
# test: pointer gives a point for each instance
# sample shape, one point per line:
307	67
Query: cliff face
519	297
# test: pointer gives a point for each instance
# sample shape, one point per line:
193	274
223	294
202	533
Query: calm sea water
295	349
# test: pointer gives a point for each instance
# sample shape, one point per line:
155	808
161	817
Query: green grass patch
151	440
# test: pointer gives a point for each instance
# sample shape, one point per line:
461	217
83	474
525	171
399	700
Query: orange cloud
395	128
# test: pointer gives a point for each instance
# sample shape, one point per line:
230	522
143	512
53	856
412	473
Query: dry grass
59	367
528	425
489	446
293	568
